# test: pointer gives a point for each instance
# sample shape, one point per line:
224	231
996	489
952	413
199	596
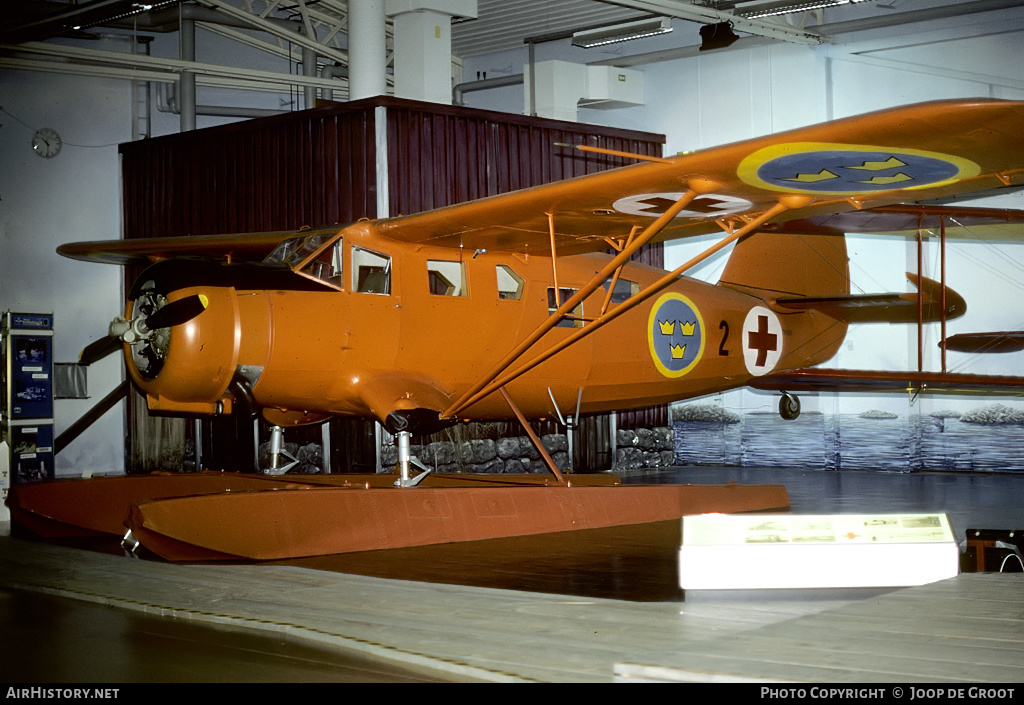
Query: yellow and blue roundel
847	169
675	335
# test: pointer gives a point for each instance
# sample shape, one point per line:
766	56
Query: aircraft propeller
153	314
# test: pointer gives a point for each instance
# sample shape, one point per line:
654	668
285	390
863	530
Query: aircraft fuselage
372	326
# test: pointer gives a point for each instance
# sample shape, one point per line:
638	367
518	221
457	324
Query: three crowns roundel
675	334
850	169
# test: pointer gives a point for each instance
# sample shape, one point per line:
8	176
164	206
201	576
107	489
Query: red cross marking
762	341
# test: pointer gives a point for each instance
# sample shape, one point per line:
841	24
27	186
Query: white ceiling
504	24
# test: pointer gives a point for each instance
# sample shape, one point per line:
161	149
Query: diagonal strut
501	377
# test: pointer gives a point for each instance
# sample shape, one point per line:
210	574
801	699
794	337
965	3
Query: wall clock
46	142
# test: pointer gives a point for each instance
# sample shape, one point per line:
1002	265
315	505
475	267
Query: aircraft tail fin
790	265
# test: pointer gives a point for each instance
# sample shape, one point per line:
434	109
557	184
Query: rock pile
310	458
705	412
992	414
877	414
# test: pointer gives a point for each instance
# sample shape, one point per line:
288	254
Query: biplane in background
511	306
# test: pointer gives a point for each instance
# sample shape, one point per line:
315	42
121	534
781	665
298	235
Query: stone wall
635	449
644	448
513	455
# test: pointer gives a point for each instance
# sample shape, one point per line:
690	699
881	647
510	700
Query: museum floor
593	606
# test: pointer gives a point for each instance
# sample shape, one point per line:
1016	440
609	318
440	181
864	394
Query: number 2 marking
724	327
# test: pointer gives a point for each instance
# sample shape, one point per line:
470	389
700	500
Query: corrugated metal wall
450	155
311	168
319	167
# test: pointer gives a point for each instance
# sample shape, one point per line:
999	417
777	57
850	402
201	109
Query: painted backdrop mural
888	432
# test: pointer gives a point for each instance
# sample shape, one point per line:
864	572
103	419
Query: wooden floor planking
969	628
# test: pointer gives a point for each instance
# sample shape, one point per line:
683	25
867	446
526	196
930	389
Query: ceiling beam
150	64
707	15
306	39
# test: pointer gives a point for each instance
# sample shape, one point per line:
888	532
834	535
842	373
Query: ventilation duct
563	87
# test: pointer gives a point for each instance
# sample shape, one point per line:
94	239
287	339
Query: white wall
76	196
47	202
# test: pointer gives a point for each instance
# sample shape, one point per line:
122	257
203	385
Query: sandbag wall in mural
985	437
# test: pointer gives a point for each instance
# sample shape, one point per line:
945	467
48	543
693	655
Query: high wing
921	152
249	247
914	153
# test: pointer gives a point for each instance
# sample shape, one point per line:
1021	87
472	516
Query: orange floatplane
500	308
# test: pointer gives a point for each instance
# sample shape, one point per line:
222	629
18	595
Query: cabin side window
624	289
573	319
371	271
446	278
510	284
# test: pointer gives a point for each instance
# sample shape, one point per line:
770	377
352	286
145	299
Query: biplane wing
989	342
914	383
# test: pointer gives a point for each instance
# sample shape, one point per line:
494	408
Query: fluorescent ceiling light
752	10
622	32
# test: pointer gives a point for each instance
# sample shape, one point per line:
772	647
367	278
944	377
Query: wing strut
696	187
615	277
500	376
554	260
533	437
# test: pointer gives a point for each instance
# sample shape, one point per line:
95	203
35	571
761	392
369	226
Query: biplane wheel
789	407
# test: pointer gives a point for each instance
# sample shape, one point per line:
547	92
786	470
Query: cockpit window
316	257
294	251
326	266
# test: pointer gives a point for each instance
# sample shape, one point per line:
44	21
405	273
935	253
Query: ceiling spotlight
716	36
639	29
771	8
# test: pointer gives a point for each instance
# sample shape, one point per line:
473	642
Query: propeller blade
178	312
99	349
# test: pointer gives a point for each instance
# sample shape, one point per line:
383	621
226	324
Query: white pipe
367	51
309	69
167	102
187	81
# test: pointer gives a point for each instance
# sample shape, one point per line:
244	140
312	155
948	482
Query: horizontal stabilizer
927	305
996	342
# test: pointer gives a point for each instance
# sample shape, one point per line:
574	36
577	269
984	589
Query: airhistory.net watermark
50	693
